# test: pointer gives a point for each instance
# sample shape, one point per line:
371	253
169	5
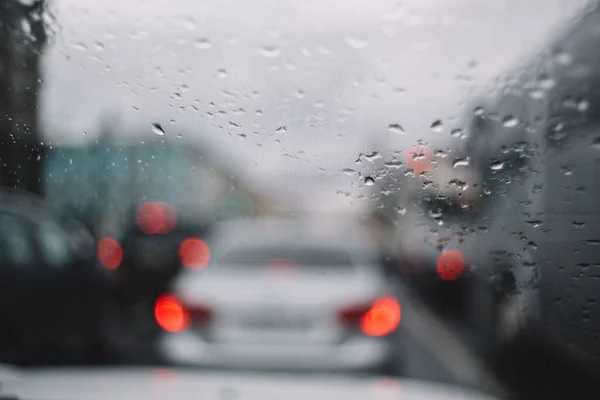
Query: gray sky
334	73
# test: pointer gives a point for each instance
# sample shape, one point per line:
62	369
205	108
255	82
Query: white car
272	296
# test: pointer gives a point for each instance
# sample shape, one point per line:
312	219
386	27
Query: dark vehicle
46	262
543	169
143	202
431	208
141	260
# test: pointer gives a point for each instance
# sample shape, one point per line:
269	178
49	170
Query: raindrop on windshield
269	52
546	82
596	143
437	126
563	58
356	43
203	44
281	129
396	128
458	133
479	111
369	181
497	165
460	162
510	122
157	129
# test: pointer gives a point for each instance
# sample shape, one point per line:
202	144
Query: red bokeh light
170	314
194	253
156	218
109	252
450	265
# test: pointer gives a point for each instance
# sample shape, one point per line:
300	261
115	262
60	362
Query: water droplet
396	128
369	181
535	223
440	153
179	136
497	165
356	43
563	58
258	112
79	46
221	73
510	122
460	162
157	129
281	129
401	210
349	171
437	126
203	44
299	94
596	143
269	51
457	133
583	105
546	82
578	225
537	94
234	124
479	111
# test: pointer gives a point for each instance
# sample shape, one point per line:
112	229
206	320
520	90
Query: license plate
275	323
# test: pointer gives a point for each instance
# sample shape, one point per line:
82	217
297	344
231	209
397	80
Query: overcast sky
296	89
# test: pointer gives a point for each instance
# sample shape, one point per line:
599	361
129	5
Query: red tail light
170	314
156	218
450	265
109	252
194	253
378	319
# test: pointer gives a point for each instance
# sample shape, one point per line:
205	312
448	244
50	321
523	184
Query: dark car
51	291
543	169
142	255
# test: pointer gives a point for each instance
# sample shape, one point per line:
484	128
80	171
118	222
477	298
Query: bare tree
22	39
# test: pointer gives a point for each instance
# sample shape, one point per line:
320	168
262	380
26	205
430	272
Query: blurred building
22	38
100	183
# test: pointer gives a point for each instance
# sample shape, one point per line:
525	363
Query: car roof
279	233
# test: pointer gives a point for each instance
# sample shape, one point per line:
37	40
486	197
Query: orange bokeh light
383	318
170	314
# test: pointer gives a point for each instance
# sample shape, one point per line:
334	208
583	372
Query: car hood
156	383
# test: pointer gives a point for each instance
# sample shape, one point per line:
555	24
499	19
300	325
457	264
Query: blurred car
542	168
52	293
142	254
426	215
273	296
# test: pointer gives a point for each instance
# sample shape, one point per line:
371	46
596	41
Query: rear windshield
304	257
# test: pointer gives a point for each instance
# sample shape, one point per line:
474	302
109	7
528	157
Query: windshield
306	258
432	165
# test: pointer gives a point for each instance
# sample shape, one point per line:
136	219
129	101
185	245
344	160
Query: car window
17	246
303	257
54	243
